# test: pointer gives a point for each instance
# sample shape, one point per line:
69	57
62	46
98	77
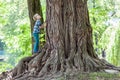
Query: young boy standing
36	31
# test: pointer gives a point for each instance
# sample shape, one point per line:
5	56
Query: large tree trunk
70	34
34	6
69	45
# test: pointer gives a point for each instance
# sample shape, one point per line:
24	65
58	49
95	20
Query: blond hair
35	15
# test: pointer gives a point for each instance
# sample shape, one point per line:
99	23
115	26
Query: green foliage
5	66
98	17
15	30
104	17
113	47
43	4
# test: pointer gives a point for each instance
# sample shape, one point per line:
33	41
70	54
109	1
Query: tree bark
34	6
70	33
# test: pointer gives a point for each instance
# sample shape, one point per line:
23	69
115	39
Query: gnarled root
48	64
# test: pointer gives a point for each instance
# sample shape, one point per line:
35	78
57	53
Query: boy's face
38	17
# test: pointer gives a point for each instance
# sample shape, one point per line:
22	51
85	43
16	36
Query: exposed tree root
39	68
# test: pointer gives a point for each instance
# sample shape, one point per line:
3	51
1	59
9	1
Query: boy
36	31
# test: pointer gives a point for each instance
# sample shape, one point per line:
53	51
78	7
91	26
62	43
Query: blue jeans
36	42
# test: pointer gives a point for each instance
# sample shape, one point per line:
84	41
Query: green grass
103	76
92	76
5	66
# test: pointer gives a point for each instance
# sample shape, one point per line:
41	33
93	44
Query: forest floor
78	76
70	74
89	76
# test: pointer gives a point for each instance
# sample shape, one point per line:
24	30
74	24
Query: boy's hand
40	27
43	25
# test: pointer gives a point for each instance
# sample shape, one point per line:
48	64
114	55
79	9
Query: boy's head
36	17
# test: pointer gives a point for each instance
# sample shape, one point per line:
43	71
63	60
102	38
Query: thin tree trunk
34	6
